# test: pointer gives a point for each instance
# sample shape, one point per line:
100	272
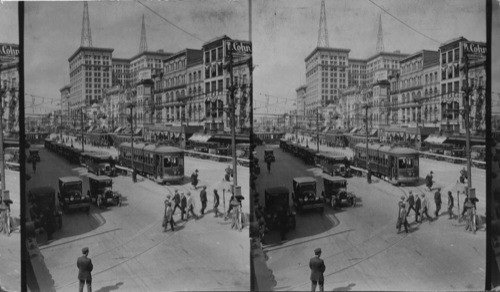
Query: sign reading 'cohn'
9	50
239	47
475	48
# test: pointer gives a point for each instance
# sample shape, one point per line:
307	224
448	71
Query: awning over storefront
200	138
138	131
326	129
353	131
433	139
118	130
373	132
90	130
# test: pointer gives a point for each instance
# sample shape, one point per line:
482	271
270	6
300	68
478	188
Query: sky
286	31
53	34
9	29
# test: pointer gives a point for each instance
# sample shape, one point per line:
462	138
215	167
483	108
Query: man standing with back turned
317	269
85	266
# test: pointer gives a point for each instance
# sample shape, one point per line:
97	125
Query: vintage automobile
305	196
269	155
277	200
34	156
101	191
71	194
341	169
336	191
44	211
99	163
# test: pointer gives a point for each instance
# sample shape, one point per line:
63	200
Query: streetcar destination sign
475	48
241	47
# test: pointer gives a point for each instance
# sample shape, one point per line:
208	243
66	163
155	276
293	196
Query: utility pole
366	106
3	91
317	128
233	121
466	96
81	121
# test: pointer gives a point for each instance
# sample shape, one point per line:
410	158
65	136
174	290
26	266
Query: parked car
305	196
44	211
277	200
336	191
33	156
71	194
101	191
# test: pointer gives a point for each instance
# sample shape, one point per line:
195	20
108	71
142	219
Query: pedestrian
450	205
317	267
425	208
437	201
168	217
216	203
177	201
402	217
469	216
428	180
268	162
203	199
183	206
194	179
33	163
231	207
85	267
411	203
190	206
418	206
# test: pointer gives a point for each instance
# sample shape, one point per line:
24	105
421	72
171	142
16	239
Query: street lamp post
131	106
3	91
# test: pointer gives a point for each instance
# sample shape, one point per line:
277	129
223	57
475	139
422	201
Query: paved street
361	247
127	244
10	249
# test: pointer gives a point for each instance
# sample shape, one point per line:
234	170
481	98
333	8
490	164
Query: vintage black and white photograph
370	128
10	207
138	145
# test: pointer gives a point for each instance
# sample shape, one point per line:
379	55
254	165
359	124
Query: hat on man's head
432	172
317	251
85	250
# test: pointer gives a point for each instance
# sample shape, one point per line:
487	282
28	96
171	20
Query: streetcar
164	163
396	164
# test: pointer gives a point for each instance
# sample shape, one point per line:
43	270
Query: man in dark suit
317	269
85	266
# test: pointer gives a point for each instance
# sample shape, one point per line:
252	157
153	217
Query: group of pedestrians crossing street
420	205
186	204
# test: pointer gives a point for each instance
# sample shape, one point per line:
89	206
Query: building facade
90	75
9	78
65	95
326	76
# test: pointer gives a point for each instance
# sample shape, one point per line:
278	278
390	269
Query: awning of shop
90	130
373	132
118	130
326	129
200	137
353	131
176	135
138	131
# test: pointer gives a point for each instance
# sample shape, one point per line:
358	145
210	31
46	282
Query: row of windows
213	55
453	55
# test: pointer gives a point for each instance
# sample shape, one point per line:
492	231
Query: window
443	88
456	53
207	87
220	85
443	58
456	88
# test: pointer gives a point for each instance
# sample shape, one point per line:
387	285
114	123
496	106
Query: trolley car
164	163
397	164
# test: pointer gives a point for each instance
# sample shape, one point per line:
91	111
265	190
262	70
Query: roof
101	155
317	49
67	179
333	178
100	177
403	150
277	190
89	49
304	179
42	190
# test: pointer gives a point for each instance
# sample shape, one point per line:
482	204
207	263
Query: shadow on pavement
110	288
345	288
42	280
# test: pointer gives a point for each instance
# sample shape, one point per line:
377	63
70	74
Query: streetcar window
166	162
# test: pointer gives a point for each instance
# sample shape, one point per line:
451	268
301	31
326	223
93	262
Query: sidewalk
10	248
322	148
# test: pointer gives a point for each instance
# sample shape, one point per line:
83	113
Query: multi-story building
121	72
196	97
90	74
9	78
452	59
326	76
382	65
356	74
146	64
301	104
114	105
351	104
65	95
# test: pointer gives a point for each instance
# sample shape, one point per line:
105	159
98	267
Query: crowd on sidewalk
421	205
